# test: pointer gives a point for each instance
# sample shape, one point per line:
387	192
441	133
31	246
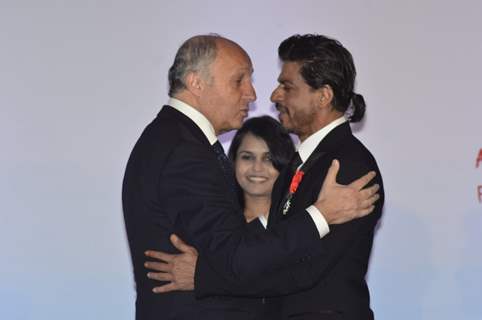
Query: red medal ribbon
296	180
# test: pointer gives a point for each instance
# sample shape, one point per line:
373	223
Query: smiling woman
259	151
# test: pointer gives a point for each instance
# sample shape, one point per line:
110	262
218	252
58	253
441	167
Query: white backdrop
79	80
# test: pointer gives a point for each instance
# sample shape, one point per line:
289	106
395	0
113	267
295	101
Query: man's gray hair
194	55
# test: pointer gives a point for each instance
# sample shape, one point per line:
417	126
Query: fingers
367	205
370	201
158	266
181	245
369	197
159	255
161	276
365	212
370	191
166	288
330	177
363	181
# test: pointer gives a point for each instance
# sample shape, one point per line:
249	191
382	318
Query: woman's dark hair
280	145
325	61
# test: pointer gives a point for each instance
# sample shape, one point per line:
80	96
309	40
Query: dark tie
295	162
225	165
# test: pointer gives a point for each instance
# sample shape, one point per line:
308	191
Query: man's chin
285	123
233	126
288	128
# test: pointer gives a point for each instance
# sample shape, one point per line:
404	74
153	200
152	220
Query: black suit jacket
174	184
338	263
329	282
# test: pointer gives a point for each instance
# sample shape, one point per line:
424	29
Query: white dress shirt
262	219
197	117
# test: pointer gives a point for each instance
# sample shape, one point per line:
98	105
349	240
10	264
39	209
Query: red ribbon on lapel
296	180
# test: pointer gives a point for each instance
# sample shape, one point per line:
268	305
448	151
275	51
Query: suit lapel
279	190
325	148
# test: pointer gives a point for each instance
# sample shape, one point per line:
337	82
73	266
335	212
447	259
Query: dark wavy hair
280	145
324	61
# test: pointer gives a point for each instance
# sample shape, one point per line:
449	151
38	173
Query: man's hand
178	269
339	203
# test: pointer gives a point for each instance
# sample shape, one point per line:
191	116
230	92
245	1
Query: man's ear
194	83
326	96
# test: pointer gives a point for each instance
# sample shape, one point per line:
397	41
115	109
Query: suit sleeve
323	256
194	195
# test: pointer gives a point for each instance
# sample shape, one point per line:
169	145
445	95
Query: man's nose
275	95
250	93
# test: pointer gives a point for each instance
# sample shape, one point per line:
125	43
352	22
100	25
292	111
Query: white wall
79	80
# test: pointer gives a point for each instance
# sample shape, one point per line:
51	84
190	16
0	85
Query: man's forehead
231	59
289	71
237	61
227	45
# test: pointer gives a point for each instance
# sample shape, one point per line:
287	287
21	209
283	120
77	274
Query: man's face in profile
229	90
296	101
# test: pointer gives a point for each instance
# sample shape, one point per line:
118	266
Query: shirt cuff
319	220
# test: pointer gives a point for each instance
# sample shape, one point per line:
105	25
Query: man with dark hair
178	180
315	99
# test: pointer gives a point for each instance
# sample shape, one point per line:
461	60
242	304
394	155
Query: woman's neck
256	206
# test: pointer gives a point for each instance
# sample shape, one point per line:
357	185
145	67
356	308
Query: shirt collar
306	148
197	117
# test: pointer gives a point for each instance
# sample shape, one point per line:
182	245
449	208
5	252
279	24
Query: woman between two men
260	150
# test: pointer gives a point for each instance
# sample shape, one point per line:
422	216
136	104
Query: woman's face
254	170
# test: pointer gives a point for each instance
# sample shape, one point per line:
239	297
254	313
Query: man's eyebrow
247	69
284	81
